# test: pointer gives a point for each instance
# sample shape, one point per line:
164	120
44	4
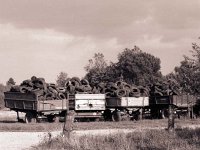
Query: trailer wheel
97	119
164	113
125	117
30	117
107	115
51	118
116	116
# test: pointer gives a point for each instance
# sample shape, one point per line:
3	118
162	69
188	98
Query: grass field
181	139
143	124
8	122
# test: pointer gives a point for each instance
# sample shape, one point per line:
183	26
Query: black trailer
183	105
35	109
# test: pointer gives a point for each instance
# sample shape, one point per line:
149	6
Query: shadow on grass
8	121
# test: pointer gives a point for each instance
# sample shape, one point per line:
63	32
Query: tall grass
181	139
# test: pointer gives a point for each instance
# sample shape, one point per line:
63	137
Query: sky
44	37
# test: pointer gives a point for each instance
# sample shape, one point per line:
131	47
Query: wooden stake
68	125
171	119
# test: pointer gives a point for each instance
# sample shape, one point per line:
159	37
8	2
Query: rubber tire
61	96
107	115
164	113
84	82
121	93
116	116
51	118
30	118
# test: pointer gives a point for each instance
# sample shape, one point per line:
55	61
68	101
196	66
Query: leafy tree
96	69
133	66
188	73
138	67
10	82
61	79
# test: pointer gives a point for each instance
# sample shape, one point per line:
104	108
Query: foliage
10	83
96	69
62	79
138	67
133	66
188	73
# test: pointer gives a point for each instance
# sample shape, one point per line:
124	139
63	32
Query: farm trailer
125	108
87	106
96	106
183	105
84	106
34	109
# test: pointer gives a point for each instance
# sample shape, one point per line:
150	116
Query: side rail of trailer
33	108
87	106
125	108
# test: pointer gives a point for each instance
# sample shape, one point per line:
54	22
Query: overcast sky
45	37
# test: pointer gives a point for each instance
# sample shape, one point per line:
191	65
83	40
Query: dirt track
22	140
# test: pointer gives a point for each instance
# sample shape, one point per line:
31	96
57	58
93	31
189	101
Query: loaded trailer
125	108
85	106
35	110
182	104
97	106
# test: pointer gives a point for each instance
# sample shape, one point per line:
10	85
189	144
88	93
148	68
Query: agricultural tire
15	88
61	90
127	86
120	84
30	117
52	90
164	113
121	93
23	89
68	82
107	115
116	116
109	94
84	82
87	88
51	118
61	96
33	78
49	96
